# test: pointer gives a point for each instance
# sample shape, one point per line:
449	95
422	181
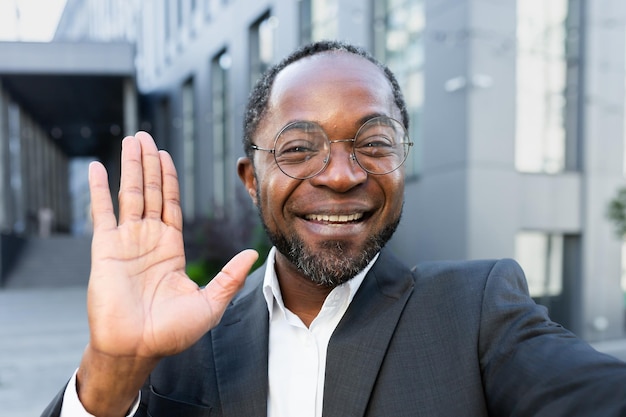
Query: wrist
109	385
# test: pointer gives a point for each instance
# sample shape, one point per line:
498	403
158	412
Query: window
547	55
624	129
4	158
210	8
318	20
398	41
18	197
623	278
220	95
180	14
189	149
541	256
166	22
262	41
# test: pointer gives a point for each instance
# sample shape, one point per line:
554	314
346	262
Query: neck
301	296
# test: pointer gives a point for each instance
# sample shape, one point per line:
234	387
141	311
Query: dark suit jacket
446	339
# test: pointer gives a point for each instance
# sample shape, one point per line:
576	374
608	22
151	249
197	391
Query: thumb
221	289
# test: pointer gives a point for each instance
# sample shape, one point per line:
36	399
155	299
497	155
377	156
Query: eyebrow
297	123
370	116
360	122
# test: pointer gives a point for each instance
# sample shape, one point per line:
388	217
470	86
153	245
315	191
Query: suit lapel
240	345
358	345
355	351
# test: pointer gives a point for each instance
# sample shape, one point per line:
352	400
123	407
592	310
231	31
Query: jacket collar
240	346
358	345
355	351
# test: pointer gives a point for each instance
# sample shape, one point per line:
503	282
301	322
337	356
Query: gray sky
29	20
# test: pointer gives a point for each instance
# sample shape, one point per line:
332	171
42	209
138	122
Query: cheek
394	189
272	195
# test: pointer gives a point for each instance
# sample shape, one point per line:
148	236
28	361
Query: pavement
43	332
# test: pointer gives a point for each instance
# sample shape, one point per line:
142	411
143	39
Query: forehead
328	86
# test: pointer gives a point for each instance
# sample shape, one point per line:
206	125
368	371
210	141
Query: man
333	325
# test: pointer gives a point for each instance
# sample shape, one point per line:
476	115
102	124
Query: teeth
335	218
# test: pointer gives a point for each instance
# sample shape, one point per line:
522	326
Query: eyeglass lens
302	149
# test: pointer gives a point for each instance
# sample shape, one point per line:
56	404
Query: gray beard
331	267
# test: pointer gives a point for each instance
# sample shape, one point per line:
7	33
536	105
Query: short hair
260	93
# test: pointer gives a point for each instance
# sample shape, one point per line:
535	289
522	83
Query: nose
342	171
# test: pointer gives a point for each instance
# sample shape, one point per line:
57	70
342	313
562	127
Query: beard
337	262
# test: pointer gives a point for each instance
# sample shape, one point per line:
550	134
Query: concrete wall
603	166
469	201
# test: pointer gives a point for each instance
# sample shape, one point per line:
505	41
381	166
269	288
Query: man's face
331	225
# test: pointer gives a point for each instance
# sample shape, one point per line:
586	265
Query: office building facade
516	110
517	114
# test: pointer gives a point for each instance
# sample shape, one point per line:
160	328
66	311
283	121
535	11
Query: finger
172	214
221	289
151	164
131	181
101	203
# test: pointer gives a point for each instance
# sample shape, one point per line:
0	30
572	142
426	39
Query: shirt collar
271	289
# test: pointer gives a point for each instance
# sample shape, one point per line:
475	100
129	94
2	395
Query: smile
334	218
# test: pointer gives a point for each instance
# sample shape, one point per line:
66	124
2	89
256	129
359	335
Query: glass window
624	127
210	8
541	85
398	41
624	271
262	41
166	21
541	256
18	196
318	20
4	158
180	12
219	84
189	149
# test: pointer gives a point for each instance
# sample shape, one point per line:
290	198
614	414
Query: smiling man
325	213
333	324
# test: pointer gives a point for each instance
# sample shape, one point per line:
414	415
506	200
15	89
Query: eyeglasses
302	149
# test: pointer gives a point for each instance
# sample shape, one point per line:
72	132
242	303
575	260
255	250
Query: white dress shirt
297	354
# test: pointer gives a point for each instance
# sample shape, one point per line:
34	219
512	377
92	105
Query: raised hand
141	305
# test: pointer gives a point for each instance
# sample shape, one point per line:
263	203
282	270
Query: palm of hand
140	301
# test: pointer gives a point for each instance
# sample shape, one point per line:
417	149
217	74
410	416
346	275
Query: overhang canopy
74	91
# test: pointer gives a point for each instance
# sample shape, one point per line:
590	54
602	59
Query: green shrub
616	212
210	241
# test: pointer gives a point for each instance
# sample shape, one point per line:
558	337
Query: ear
245	169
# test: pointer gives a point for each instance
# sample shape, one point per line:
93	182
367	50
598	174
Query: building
62	104
517	112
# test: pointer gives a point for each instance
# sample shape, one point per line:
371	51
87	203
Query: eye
296	149
375	145
299	142
375	141
296	146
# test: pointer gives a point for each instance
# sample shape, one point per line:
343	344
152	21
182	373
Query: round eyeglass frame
406	144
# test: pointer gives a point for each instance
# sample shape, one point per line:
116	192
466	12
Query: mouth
335	218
